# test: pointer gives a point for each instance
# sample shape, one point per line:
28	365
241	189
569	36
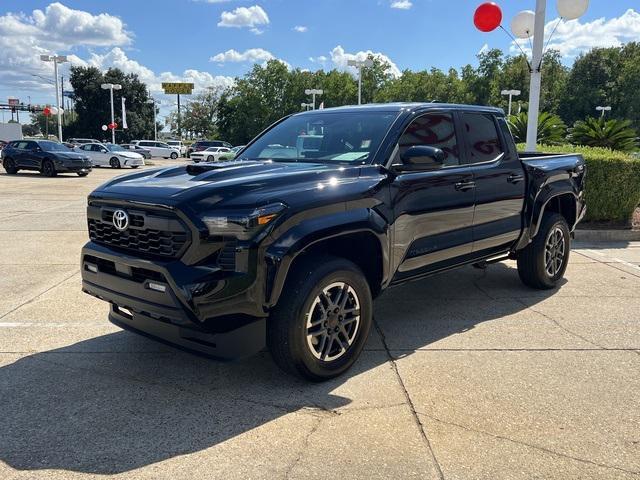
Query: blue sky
176	39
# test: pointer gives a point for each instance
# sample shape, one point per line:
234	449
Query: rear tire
82	174
10	166
115	163
48	169
134	166
322	320
543	262
174	155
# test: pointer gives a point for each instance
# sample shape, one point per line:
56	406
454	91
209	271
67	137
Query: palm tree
598	132
551	128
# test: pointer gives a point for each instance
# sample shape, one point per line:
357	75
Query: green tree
92	105
598	132
551	128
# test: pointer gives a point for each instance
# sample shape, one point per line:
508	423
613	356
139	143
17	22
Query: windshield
48	146
341	137
115	148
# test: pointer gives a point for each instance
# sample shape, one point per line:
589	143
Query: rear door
433	208
499	179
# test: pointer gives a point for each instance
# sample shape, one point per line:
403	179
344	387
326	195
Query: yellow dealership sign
178	88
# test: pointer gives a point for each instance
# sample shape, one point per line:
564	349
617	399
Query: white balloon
54	110
104	128
572	9
523	23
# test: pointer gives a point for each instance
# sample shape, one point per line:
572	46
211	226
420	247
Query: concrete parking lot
467	375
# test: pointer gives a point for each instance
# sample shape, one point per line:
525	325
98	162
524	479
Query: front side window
482	137
433	130
337	137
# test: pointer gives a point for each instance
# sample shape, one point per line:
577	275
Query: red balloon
46	111
488	17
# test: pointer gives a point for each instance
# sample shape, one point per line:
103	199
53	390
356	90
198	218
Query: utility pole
56	59
511	93
313	92
111	87
536	75
360	64
152	101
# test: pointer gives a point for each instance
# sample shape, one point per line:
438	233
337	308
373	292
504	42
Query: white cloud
340	58
574	37
117	58
402	4
250	55
320	59
241	17
300	28
57	28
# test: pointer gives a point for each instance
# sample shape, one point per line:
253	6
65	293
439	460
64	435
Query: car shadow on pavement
119	402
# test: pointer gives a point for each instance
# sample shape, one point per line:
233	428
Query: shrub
551	128
612	188
598	132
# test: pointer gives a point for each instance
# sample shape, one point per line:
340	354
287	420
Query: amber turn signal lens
264	219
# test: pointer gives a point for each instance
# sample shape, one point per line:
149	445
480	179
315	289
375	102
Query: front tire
134	166
10	166
48	169
543	262
82	174
322	320
210	158
115	163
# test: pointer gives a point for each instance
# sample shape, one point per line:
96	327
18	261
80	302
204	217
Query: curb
603	236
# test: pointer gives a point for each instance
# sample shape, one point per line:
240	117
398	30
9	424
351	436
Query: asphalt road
468	375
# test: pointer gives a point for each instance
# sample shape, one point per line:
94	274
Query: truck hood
234	183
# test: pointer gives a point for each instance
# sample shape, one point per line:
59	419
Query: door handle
464	186
515	178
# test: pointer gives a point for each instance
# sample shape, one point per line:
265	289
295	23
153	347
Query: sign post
178	88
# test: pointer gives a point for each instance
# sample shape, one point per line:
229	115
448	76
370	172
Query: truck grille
148	234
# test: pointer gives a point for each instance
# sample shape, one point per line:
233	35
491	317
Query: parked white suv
179	145
158	149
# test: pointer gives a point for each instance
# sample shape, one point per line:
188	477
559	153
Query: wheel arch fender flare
290	244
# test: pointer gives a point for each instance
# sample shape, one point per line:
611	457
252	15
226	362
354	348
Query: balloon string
549	41
517	45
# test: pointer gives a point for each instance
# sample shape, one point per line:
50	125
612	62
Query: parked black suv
45	156
288	245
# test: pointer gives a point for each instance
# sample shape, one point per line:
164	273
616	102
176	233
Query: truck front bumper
171	302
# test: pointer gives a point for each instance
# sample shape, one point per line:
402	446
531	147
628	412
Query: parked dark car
204	144
289	247
146	153
45	156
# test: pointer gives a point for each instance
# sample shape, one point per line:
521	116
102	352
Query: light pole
536	75
56	59
111	87
306	105
511	93
603	109
155	124
313	92
360	64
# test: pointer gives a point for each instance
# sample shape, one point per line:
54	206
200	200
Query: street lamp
111	87
152	101
511	93
359	64
56	59
306	105
313	92
603	109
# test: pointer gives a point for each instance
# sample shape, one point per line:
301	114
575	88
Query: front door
433	207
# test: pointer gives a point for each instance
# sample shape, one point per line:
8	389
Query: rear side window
145	144
482	137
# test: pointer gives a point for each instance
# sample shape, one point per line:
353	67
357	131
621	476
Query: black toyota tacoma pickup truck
287	245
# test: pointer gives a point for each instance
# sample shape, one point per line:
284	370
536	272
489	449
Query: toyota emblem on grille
120	220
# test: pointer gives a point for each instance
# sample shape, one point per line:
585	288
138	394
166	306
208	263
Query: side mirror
421	157
104	150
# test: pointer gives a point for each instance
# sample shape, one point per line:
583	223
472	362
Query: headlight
242	225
